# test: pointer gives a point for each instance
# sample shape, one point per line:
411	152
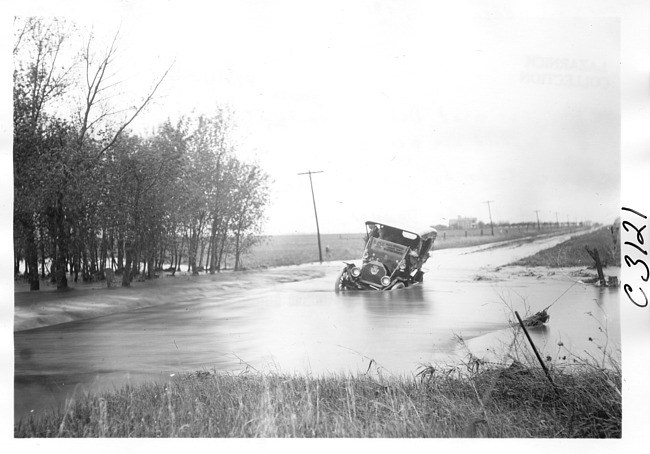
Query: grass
573	253
283	250
504	402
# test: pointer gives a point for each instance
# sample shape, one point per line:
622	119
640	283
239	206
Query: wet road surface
304	327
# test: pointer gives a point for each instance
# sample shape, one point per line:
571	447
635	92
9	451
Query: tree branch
135	114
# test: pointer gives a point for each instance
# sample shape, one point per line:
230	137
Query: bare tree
100	85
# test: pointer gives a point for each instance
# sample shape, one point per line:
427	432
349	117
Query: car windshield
385	251
394	235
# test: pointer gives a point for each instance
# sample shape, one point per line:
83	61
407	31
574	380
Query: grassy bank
573	253
505	402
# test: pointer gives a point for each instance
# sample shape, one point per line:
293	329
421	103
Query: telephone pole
490	213
537	214
309	172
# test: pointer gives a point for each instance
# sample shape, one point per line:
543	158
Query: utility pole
557	221
490	213
537	214
309	172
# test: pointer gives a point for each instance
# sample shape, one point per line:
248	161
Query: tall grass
514	401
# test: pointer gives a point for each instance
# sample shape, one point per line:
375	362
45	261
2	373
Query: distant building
461	223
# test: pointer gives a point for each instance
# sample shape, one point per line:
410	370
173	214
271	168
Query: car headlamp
355	272
385	281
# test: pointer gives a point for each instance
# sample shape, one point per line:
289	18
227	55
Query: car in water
392	259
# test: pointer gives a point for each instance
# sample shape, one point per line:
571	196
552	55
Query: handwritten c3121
639	263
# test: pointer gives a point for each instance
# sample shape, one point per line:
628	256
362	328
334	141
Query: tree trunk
61	265
237	251
103	255
120	254
137	260
85	274
62	246
42	246
128	252
599	267
208	257
240	226
213	248
94	266
31	256
54	253
192	241
200	262
179	257
160	254
16	262
222	248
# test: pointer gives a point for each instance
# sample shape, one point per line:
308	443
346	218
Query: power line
309	172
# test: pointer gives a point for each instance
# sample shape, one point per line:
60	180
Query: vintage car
392	259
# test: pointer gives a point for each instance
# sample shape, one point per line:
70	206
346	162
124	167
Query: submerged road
290	320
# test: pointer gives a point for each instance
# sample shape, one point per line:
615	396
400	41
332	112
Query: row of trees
88	193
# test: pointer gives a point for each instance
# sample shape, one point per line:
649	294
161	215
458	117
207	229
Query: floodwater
304	327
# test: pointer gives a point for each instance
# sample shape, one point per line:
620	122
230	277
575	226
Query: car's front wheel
398	286
341	280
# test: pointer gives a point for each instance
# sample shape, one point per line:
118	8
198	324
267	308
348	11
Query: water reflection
602	294
412	300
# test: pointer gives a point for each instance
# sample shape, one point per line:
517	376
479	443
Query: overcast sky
415	112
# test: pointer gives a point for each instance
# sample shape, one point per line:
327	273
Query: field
573	252
282	250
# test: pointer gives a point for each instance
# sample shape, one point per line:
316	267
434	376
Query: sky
414	113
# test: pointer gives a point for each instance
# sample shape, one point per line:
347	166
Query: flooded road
279	324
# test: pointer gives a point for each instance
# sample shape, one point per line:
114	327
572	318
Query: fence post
539	358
